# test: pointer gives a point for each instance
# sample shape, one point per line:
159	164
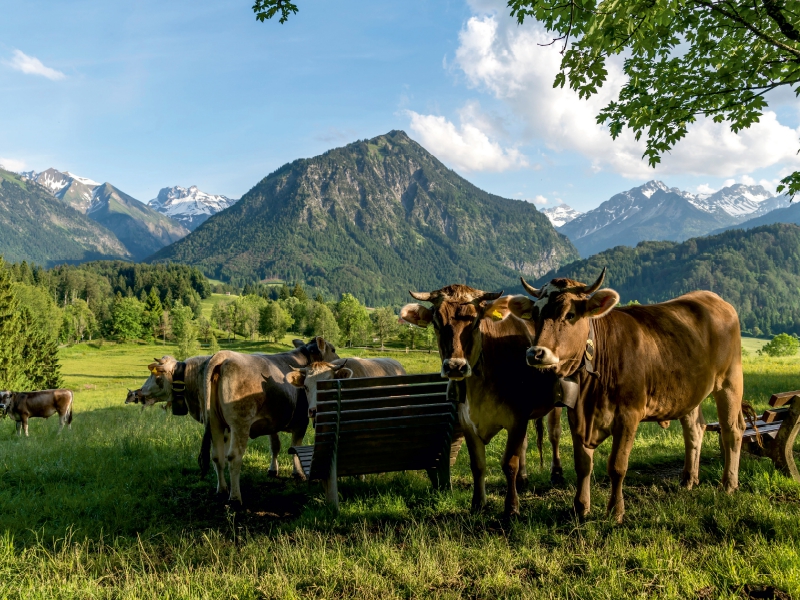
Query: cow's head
158	387
5	402
317	349
308	377
134	397
561	311
456	315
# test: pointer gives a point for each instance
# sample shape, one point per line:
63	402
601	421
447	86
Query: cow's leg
622	444
19	427
25	424
275	448
510	464
732	425
218	454
554	434
693	428
522	473
236	450
477	461
297	469
62	420
584	464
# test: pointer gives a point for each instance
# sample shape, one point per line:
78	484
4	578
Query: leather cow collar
567	388
179	406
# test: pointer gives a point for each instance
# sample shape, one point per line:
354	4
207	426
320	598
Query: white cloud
728	183
704	188
539	200
12	164
509	62
33	66
465	148
747	180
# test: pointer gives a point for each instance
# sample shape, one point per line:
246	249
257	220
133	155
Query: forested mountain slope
758	271
375	218
38	227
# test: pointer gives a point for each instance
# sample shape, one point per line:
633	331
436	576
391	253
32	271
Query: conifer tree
11	376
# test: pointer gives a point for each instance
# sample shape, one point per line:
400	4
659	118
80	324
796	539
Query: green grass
115	509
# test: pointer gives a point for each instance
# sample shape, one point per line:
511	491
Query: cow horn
490	296
421	296
530	289
596	285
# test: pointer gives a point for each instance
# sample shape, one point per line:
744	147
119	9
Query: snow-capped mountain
72	189
191	207
561	214
654	211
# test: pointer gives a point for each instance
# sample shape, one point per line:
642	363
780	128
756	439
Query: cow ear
496	310
343	373
521	306
321	343
601	303
297	343
296	378
416	314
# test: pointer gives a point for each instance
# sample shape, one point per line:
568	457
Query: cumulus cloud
12	164
704	188
33	66
541	200
509	62
467	147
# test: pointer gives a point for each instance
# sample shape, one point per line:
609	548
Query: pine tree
11	376
299	293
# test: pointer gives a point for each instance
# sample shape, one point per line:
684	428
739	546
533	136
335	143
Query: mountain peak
189	206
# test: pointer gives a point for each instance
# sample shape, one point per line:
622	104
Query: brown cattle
638	363
237	401
135	397
45	403
481	343
343	368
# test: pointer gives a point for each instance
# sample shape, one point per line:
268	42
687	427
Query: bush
781	345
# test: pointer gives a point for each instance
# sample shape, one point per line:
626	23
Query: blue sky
153	94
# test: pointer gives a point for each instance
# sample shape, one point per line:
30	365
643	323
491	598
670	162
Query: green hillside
139	227
374	218
758	271
39	228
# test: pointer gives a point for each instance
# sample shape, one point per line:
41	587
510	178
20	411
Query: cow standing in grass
343	368
21	406
481	343
638	363
238	403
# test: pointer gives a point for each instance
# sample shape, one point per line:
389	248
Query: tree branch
773	8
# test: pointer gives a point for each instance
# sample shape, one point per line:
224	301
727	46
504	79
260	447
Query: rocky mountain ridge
191	207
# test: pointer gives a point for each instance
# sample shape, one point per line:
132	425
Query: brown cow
237	401
135	397
45	403
479	341
638	363
343	368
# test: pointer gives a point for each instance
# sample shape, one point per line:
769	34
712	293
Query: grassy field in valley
115	508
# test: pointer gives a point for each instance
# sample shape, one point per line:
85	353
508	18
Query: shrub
781	345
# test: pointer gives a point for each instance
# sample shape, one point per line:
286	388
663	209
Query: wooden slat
774	414
762	430
372	469
409	422
782	398
382	413
382	402
363	382
383	391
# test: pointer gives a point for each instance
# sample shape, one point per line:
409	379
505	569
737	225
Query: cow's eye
570	316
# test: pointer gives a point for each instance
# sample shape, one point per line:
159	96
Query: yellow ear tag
527	316
497	315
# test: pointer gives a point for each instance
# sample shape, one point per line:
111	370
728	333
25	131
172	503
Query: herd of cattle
517	357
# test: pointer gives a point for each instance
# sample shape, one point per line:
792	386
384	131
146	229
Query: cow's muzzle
456	368
541	357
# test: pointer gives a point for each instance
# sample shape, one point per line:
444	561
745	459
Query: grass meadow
115	508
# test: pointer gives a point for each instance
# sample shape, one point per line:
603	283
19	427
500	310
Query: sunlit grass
115	509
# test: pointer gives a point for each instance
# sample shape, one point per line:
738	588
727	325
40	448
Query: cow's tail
210	384
69	409
204	458
752	417
539	435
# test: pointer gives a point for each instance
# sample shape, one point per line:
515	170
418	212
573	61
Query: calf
342	368
638	363
23	405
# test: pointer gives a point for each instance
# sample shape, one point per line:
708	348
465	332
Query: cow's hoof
511	514
730	487
689	482
557	477
296	476
235	505
477	507
522	484
272	473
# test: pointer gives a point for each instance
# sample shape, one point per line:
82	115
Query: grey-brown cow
342	368
237	402
45	403
638	363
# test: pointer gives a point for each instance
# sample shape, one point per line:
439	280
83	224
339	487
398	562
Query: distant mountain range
190	207
375	218
757	270
561	215
41	228
654	211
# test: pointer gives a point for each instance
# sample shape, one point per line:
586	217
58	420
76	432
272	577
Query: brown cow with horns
481	343
638	363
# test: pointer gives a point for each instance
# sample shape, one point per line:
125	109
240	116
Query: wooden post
332	488
780	449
